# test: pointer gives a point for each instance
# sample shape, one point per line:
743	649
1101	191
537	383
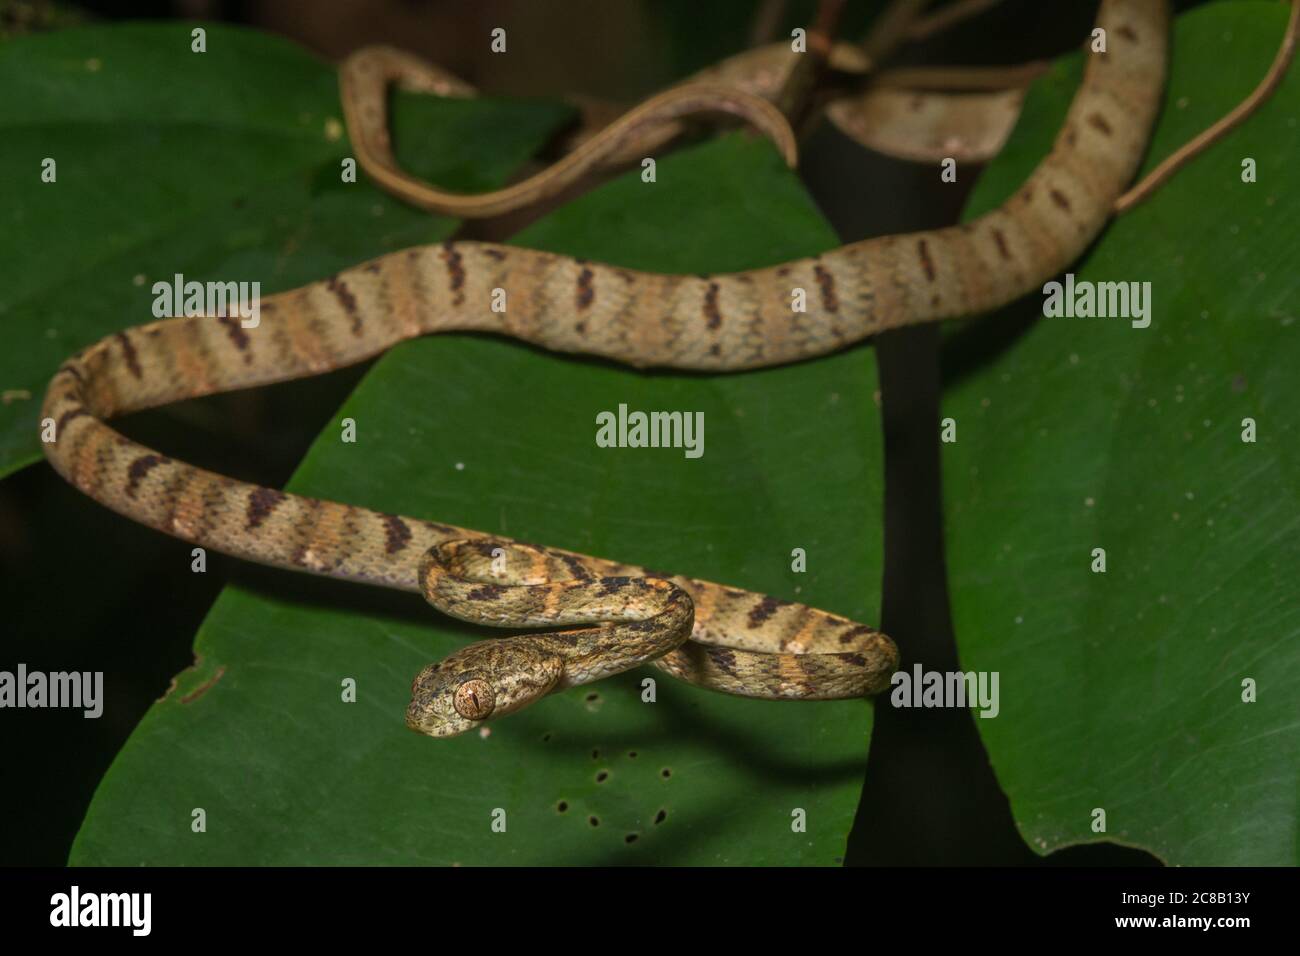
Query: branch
1194	147
949	16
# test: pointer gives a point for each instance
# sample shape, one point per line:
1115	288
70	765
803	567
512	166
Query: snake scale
620	616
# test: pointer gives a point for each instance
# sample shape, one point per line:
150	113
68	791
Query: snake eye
474	699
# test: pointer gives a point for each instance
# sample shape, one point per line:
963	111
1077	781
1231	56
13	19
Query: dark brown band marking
585	294
497	254
723	657
346	299
455	270
486	547
1127	33
1098	122
576	567
236	332
443	529
923	250
615	583
1060	199
487	592
261	502
396	534
1001	241
853	633
68	416
129	353
830	301
713	317
139	468
765	609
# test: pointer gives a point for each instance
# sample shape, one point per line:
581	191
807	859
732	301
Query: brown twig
1194	147
809	67
951	15
891	29
767	20
960	78
822	35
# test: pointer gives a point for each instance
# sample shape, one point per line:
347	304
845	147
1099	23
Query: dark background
930	796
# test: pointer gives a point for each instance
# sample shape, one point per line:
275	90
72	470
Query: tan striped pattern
740	642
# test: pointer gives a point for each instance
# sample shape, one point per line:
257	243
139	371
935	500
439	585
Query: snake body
716	636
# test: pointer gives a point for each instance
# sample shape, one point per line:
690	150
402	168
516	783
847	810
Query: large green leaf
492	434
1123	690
218	165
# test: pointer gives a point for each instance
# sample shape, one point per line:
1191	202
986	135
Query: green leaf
491	434
1123	690
219	165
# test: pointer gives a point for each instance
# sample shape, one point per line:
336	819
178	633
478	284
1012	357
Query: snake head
478	683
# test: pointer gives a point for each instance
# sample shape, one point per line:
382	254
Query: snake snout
435	717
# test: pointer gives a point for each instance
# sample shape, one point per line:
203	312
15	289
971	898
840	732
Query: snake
617	616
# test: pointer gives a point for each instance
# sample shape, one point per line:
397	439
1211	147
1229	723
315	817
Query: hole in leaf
593	821
630	838
561	807
595	755
632	754
602	776
661	816
665	773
